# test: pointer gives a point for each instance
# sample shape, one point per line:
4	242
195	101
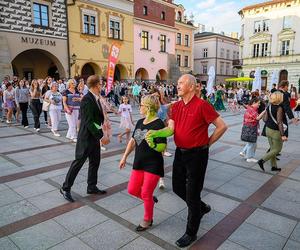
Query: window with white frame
186	61
264	49
287	22
285	48
163	42
257	26
89	22
178	40
222	53
41	14
227	54
205	52
227	71
186	40
178	60
265	25
234	55
145	39
221	68
204	68
115	28
256	50
261	26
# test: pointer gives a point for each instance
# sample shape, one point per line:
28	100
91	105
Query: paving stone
170	203
272	222
7	244
296	233
228	245
292	245
107	235
21	182
41	236
34	189
16	211
112	179
118	203
220	204
71	244
8	196
141	243
80	219
255	238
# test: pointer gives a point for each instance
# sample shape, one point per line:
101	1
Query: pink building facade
153	47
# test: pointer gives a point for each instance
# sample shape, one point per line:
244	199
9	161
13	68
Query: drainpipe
68	39
216	64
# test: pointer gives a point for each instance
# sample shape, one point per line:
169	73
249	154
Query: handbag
249	133
45	106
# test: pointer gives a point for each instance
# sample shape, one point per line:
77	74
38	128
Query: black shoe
67	195
277	159
276	169
95	191
186	240
206	209
155	199
261	164
140	228
278	154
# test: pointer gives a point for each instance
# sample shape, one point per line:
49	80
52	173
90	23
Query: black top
273	90
146	158
277	113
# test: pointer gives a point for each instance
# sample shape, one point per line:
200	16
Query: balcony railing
237	63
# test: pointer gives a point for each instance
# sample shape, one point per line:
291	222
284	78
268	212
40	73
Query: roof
259	5
207	34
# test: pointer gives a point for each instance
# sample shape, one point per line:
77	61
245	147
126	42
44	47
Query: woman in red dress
294	98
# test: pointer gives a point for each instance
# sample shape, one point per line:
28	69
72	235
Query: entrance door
28	74
283	76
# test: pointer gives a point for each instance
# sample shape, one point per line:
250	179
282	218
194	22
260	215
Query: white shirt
125	110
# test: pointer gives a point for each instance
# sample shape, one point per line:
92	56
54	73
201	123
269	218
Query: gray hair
191	79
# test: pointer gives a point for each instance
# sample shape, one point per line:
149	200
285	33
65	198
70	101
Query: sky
220	14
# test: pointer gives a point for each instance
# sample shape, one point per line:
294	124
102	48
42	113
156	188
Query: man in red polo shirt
189	120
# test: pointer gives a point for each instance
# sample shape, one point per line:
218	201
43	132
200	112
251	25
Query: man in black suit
88	141
273	88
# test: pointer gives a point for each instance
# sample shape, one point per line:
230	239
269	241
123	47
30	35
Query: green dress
219	105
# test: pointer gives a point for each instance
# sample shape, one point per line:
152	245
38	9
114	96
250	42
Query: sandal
140	228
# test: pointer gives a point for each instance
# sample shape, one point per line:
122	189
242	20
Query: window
265	25
204	68
234	55
186	40
242	30
222	53
178	60
255	50
287	22
178	41
114	29
256	26
221	68
145	40
227	54
205	52
186	61
264	49
162	43
179	16
227	69
285	48
163	15
145	10
40	14
261	26
89	24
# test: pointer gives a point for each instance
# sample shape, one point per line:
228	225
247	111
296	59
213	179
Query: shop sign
38	41
264	72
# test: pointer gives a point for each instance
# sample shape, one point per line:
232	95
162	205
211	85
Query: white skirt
126	123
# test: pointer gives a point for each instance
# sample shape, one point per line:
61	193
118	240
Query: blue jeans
249	150
1	109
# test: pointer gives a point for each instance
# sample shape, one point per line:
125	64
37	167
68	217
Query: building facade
184	48
33	39
94	25
154	39
270	40
219	51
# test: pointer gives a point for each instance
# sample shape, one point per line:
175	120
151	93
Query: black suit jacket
287	110
89	135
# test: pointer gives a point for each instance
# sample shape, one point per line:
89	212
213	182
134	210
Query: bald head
190	79
93	81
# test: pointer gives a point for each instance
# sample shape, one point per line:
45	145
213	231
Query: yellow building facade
93	27
184	41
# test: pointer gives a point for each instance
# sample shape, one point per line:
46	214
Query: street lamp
73	59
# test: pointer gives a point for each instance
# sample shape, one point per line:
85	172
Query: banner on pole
112	61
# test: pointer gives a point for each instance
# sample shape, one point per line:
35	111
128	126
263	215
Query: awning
239	79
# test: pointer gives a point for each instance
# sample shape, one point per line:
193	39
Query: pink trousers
142	184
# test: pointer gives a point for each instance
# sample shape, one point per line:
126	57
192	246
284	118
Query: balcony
237	63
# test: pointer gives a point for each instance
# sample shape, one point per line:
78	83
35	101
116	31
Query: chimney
201	28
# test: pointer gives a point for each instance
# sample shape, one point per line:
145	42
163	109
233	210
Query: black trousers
36	108
24	108
93	153
188	177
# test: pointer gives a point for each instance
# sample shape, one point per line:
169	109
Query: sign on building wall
112	61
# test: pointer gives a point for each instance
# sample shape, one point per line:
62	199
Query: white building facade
220	51
270	40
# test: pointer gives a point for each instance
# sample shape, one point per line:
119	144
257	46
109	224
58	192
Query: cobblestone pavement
250	209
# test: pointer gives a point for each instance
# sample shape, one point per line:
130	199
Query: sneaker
26	126
103	148
74	140
8	122
161	184
167	154
55	133
252	160
242	154
37	130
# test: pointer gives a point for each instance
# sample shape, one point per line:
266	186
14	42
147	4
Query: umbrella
257	80
239	79
274	78
211	79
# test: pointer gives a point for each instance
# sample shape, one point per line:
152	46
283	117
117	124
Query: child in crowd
125	110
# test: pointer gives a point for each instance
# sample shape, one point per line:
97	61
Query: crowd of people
183	110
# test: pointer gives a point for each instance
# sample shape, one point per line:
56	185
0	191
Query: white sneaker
168	154
161	184
37	130
74	140
55	133
103	148
8	122
252	160
26	126
242	154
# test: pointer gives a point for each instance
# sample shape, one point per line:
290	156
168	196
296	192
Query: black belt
192	150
